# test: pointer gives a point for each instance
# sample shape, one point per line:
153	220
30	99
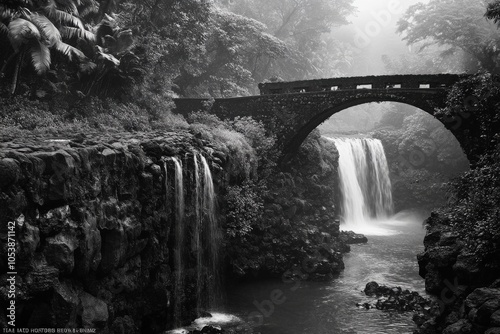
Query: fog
372	34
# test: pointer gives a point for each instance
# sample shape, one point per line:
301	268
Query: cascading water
197	232
179	236
364	182
206	234
212	234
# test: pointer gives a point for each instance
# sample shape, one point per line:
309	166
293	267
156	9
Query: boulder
371	288
208	330
59	251
395	298
463	326
65	306
485	311
93	311
479	296
466	268
351	238
9	172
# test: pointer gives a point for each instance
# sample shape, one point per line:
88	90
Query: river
330	307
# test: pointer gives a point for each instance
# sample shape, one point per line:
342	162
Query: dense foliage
473	209
455	25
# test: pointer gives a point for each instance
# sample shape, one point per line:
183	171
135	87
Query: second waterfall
364	182
196	232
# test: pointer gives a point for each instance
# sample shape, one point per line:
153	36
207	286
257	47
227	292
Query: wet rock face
92	231
468	300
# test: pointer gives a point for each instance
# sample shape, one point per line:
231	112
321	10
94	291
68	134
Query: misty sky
373	33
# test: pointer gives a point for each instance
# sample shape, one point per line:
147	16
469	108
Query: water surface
330	307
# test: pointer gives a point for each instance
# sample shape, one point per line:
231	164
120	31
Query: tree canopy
456	25
303	26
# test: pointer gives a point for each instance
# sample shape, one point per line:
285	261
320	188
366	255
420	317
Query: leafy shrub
472	107
244	209
473	210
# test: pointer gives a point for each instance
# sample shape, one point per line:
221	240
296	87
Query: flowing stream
330	307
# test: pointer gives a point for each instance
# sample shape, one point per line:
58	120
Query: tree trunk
17	70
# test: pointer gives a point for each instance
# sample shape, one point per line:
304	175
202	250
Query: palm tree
33	29
115	65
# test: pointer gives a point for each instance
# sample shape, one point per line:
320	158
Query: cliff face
96	231
94	225
466	284
298	234
461	261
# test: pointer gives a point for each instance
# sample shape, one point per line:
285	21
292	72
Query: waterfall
197	233
212	234
206	235
179	237
364	181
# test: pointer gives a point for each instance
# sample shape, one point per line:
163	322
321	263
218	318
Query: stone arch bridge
291	110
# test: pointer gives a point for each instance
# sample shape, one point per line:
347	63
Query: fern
40	57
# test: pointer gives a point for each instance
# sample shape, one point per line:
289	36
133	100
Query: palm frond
69	51
4	30
72	32
89	7
6	14
107	57
48	30
40	57
68	5
62	17
21	31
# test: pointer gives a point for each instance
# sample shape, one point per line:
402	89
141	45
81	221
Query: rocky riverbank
465	281
394	299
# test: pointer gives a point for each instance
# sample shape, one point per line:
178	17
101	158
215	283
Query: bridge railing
369	82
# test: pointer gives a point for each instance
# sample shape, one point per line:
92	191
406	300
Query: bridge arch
301	134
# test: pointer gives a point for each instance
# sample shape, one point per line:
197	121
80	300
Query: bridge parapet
369	82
